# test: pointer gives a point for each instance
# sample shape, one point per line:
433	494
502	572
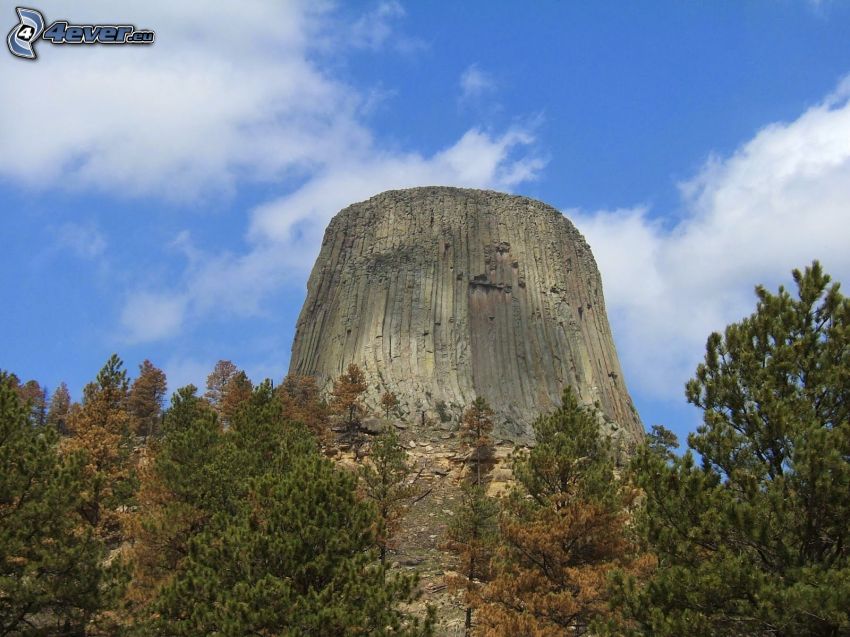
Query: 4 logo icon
23	36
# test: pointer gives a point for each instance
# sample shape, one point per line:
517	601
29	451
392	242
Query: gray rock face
445	294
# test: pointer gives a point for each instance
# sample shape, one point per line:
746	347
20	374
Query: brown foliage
160	536
101	429
228	388
217	381
236	392
33	397
346	395
389	401
302	403
564	529
554	568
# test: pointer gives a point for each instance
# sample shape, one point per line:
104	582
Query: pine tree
180	487
33	397
236	393
285	546
385	479
60	406
51	578
145	400
101	429
293	559
261	436
346	396
302	403
563	531
228	387
755	538
472	534
661	441
217	380
389	401
475	431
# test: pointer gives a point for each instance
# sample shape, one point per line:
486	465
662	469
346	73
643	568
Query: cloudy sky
167	202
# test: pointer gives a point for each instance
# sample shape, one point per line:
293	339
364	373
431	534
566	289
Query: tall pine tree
101	429
60	406
145	399
180	487
302	402
754	538
51	576
385	476
217	381
472	535
236	393
475	430
563	532
228	387
346	396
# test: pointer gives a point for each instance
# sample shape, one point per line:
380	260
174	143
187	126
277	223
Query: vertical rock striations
444	294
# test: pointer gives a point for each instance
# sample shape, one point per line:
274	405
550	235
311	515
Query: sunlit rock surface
444	294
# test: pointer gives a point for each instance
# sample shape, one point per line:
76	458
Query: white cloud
474	82
778	202
374	29
83	240
285	234
222	95
187	371
477	159
149	316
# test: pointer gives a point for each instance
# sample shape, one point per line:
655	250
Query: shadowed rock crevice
444	294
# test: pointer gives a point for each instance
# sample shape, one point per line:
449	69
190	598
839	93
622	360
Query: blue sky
168	202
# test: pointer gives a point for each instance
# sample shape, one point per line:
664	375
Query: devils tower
444	294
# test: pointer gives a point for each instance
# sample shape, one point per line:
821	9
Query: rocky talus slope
444	294
439	465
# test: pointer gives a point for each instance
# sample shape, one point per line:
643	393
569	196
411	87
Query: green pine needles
51	576
280	544
754	538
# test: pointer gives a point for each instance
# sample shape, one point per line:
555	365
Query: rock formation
444	294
